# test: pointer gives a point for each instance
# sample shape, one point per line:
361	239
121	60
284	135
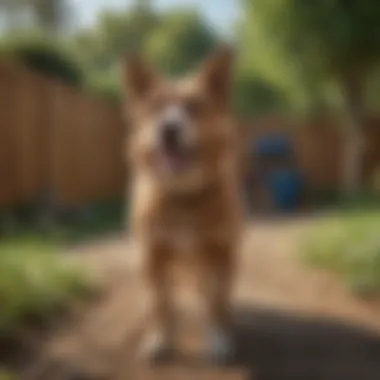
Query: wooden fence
54	137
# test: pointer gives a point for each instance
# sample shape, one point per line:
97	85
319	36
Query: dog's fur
193	211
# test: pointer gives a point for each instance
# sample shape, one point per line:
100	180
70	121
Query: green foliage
181	42
104	84
373	90
7	376
303	45
332	198
376	180
326	197
44	55
175	42
350	247
49	15
256	96
99	220
114	35
35	282
336	33
264	56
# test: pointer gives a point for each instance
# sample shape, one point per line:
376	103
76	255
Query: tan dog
186	203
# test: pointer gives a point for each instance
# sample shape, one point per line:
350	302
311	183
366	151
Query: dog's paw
220	347
155	348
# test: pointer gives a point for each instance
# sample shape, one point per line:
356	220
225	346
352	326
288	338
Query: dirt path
291	322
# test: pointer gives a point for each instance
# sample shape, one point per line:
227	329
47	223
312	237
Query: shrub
45	55
35	282
376	180
350	247
104	84
254	95
7	376
334	198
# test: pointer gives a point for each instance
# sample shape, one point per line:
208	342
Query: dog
183	151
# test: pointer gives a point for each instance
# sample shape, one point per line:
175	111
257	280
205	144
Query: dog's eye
194	107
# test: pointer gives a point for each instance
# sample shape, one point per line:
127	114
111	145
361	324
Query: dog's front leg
159	344
219	267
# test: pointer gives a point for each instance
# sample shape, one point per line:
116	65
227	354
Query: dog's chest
189	240
188	224
183	239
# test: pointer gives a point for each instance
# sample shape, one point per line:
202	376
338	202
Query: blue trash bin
286	188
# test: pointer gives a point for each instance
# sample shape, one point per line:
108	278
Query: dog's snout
171	135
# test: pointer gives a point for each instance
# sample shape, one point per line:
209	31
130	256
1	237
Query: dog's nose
171	135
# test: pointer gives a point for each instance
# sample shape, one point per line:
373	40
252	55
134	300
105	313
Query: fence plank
8	158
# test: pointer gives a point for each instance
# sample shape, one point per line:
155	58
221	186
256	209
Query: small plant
35	282
4	375
350	247
44	55
376	180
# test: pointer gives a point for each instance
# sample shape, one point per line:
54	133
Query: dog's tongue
174	160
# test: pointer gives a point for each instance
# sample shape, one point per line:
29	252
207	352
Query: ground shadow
277	346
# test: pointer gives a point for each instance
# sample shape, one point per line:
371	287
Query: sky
220	13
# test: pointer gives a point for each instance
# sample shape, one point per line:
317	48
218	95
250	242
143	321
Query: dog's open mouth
175	160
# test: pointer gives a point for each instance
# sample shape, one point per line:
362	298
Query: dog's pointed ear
138	77
216	75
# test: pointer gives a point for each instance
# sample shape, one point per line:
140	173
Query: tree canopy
181	41
307	44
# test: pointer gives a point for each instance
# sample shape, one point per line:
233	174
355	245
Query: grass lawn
35	282
349	245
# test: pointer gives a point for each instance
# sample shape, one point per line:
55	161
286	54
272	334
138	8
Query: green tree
175	42
49	15
181	41
319	43
255	95
101	47
44	55
12	12
114	35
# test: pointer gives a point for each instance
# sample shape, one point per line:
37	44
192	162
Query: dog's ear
217	72
138	77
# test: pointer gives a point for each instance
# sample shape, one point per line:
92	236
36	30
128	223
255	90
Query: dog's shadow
272	345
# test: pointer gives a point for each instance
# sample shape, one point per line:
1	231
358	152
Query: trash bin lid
272	145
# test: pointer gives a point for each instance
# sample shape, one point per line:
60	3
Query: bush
350	247
46	56
7	376
253	95
334	198
326	196
35	282
105	85
376	180
94	221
